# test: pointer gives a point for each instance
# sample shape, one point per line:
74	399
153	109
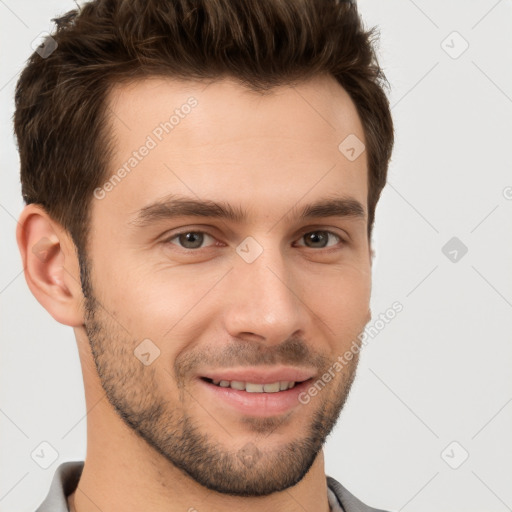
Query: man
201	181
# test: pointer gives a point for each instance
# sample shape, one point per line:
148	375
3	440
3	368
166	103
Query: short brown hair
61	121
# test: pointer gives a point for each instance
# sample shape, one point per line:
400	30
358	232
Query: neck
115	479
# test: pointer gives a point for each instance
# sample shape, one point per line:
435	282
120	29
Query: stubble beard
249	470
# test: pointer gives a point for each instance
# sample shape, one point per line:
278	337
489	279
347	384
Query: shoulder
348	501
65	480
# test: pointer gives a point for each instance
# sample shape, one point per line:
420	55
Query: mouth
254	392
253	387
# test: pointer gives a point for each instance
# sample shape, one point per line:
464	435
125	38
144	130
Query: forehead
224	142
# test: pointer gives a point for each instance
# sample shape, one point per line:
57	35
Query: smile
252	387
256	391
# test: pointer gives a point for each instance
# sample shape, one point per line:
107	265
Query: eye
190	239
320	239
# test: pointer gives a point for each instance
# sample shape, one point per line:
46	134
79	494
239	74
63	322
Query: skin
296	305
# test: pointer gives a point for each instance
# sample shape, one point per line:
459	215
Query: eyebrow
177	206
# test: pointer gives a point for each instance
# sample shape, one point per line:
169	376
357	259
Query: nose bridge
264	301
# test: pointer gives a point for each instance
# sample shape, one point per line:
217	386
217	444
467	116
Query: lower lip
257	404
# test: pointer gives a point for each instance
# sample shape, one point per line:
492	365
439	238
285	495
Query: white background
439	372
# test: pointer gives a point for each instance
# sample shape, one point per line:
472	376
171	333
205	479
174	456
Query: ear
50	264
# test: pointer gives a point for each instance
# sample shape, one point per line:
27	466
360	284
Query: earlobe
50	265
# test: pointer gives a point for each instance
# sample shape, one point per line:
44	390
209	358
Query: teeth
252	387
271	388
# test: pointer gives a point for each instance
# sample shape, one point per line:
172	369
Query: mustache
293	351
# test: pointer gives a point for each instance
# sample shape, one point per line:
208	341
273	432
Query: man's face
206	329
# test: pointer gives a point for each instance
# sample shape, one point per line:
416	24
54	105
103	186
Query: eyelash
168	240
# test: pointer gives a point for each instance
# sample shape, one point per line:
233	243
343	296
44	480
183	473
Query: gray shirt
67	475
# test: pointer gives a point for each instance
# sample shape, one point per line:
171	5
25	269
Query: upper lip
260	375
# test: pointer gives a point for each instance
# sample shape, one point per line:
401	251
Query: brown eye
319	239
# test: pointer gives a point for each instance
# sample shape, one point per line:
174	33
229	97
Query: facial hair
165	422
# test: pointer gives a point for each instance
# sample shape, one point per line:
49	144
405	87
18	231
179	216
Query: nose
265	303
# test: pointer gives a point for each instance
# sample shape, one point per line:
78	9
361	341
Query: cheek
157	303
176	306
340	297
